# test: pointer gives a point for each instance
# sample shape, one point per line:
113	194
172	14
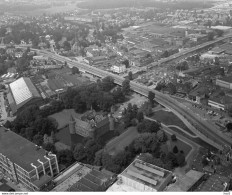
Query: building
119	68
5	186
198	93
143	177
220	102
94	181
24	162
215	183
97	60
225	82
22	93
188	182
91	125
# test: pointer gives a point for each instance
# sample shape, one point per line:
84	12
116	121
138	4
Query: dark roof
215	183
226	79
19	150
92	182
225	100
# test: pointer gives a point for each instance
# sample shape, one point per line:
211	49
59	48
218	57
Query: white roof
23	90
221	27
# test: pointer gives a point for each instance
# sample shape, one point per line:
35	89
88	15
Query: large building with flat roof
142	176
24	162
188	182
22	92
225	82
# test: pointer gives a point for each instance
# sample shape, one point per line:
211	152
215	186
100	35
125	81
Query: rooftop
221	99
93	181
215	183
186	182
19	150
23	90
226	79
147	174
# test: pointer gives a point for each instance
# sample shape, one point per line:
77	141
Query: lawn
169	118
63	117
202	143
120	142
64	137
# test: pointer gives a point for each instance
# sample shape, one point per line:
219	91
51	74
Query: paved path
193	136
195	147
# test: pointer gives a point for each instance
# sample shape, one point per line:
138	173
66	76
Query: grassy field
168	118
120	142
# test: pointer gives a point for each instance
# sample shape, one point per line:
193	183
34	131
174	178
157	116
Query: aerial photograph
115	96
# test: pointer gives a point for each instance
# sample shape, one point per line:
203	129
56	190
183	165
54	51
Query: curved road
205	127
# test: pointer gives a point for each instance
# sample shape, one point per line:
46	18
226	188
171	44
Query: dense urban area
104	95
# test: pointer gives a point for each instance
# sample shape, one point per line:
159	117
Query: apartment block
24	162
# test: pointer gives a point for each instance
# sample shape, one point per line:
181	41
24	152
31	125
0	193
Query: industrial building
24	162
225	82
188	182
142	176
22	92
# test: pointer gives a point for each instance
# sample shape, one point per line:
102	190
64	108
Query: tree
118	95
65	157
204	161
175	150
162	137
78	105
146	142
229	126
79	153
126	87
126	63
50	147
75	70
107	83
146	108
151	97
8	125
173	138
181	159
140	116
130	76
38	139
216	61
171	88
210	36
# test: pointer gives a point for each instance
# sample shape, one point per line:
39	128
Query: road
205	127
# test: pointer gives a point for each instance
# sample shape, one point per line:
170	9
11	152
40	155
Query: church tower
72	122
